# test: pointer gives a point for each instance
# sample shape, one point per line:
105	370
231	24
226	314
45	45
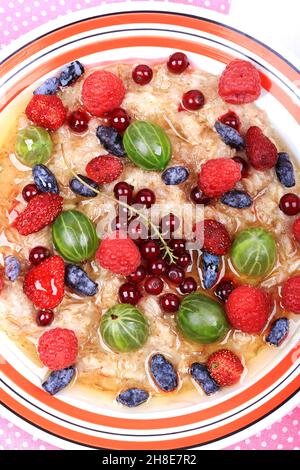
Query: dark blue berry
175	175
133	397
49	87
70	73
278	332
79	188
58	379
78	280
237	199
201	375
12	268
229	135
44	179
285	170
210	266
111	140
163	373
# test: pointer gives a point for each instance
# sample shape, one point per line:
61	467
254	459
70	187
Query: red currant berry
188	285
138	275
142	74
244	166
38	254
231	119
123	190
157	266
44	317
193	100
169	224
184	260
177	62
170	303
150	250
154	285
198	197
137	231
290	204
78	121
145	197
224	289
175	274
29	191
119	119
129	293
177	245
119	223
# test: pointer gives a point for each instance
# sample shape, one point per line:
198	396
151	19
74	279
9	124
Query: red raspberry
102	91
261	152
296	229
248	309
216	239
104	169
239	83
58	348
42	210
119	254
218	176
46	111
225	367
290	294
44	284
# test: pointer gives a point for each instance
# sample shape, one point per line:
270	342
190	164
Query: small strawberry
44	284
218	176
46	111
41	211
296	229
119	254
290	294
225	367
104	169
58	348
260	151
216	239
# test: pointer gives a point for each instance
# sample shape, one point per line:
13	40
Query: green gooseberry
33	145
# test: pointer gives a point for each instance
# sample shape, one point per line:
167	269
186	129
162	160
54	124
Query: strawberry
290	294
102	91
46	111
104	169
296	229
218	176
216	239
119	254
44	284
225	367
41	211
260	151
58	348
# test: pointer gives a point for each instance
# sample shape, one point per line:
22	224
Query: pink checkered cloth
20	16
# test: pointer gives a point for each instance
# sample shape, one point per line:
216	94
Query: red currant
169	224
231	119
154	285
193	100
170	303
119	119
145	197
142	74
188	285
119	223
123	190
129	293
138	275
29	191
44	317
175	274
177	62
290	204
244	166
157	266
150	250
78	121
198	197
224	289
137	231
177	245
184	260
38	254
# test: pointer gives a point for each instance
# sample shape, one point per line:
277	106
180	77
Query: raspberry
248	309
46	111
119	254
296	229
239	83
225	367
290	294
44	284
260	151
41	211
218	176
102	91
215	237
104	169
58	348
